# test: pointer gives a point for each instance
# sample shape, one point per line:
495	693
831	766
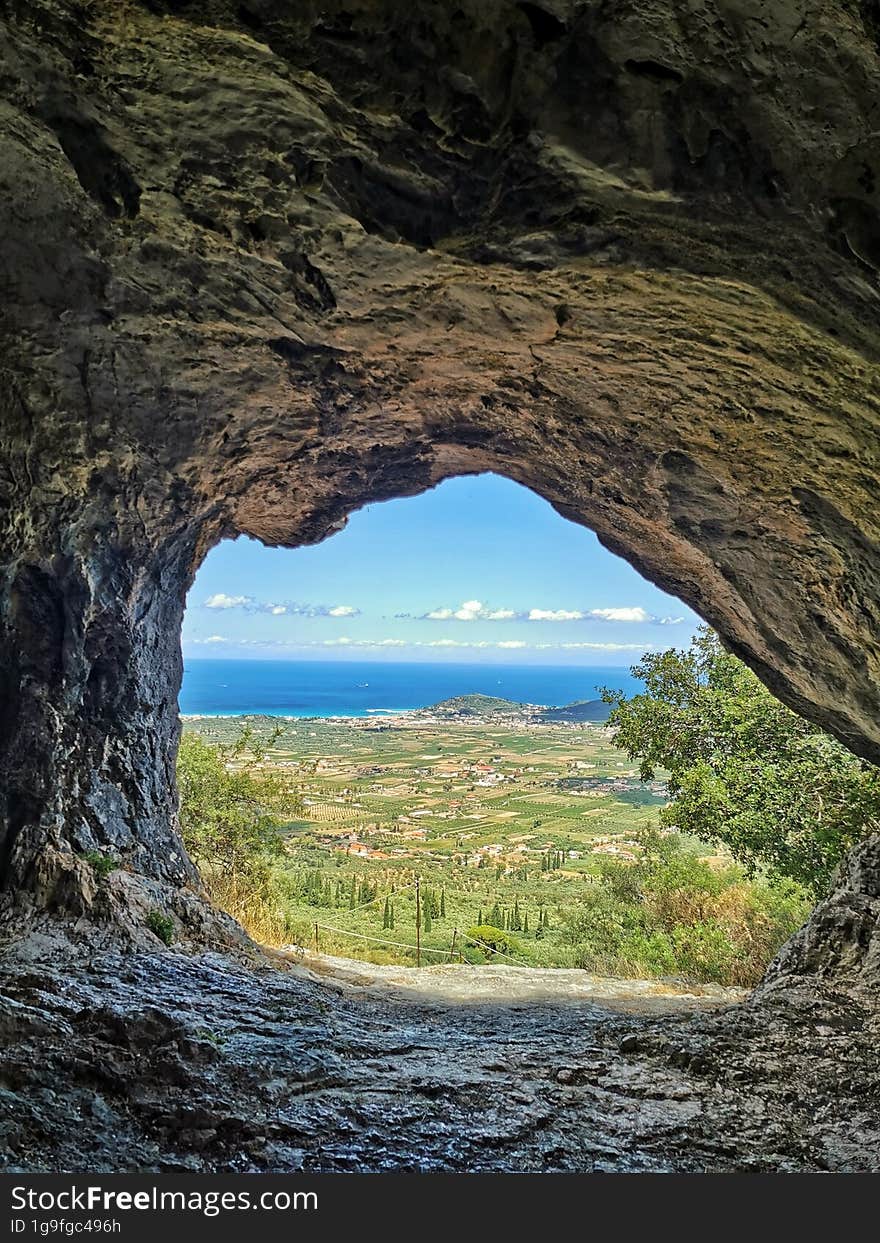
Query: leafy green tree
744	770
229	819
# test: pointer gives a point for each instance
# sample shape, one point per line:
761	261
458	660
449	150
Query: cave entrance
395	750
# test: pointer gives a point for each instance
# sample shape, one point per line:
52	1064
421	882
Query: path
166	1062
457	984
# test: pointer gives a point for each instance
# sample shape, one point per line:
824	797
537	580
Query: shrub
671	914
102	865
229	822
161	925
491	939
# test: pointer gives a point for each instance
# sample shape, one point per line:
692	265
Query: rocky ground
171	1062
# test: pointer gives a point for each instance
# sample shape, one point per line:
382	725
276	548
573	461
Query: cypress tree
525	922
443	903
426	917
386	915
391	916
480	918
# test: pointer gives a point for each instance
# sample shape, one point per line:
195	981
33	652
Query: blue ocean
356	688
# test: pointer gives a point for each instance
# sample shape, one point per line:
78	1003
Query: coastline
368	691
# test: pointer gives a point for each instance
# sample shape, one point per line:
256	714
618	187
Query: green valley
509	822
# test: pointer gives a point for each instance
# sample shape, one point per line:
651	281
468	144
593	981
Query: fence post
452	946
418	923
316	936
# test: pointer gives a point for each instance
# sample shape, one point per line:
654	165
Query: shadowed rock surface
161	1062
265	262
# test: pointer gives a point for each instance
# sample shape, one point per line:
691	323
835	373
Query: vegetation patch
102	865
161	925
687	838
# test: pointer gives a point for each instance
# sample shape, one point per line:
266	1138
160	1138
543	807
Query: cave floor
168	1062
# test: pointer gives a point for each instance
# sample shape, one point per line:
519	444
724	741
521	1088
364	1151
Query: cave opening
409	760
261	273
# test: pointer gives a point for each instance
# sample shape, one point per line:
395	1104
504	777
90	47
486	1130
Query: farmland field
499	823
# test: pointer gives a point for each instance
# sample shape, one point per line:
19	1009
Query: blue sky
477	568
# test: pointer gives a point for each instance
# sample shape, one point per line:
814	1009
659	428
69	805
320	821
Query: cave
266	263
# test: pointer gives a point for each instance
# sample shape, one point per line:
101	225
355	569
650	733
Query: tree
744	770
228	818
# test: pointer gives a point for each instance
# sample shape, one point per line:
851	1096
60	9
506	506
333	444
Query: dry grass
254	908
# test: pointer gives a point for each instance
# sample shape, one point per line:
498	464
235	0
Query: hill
479	706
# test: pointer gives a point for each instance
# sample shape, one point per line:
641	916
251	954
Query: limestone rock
263	263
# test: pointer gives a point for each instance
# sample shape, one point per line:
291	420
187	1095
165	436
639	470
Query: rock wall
264	262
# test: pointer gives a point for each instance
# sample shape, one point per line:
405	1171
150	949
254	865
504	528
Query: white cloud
344	641
671	621
609	647
555	615
221	601
469	610
636	614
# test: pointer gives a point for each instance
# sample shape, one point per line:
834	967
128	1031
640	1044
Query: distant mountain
580	710
463	707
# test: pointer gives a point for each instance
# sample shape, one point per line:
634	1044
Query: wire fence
416	949
448	954
362	936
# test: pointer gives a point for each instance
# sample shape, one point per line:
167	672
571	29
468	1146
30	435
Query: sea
307	688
